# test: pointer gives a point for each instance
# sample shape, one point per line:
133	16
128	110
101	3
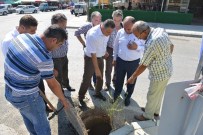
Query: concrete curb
72	27
125	130
135	126
184	35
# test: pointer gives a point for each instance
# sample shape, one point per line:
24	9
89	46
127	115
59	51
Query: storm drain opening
97	121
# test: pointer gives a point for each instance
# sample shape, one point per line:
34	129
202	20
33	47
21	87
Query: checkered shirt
157	56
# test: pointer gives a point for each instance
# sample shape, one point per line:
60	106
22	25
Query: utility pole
88	10
162	5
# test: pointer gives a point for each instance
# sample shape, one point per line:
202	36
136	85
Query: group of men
130	46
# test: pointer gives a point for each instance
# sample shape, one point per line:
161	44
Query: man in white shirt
95	20
127	52
95	51
27	24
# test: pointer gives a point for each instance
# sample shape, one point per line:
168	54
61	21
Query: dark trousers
61	65
109	66
123	68
88	73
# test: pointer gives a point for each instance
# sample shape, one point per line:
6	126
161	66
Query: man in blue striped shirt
27	24
27	61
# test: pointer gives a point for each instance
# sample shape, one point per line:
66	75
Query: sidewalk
146	127
172	29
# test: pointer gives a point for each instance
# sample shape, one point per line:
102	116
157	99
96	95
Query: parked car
47	7
21	9
9	7
80	8
3	10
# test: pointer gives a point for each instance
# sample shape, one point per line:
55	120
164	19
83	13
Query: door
26	9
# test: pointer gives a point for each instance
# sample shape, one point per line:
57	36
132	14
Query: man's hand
199	86
131	80
98	74
106	55
114	63
65	104
132	46
55	73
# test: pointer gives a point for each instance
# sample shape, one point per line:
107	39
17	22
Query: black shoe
70	89
82	102
100	96
126	94
155	115
127	101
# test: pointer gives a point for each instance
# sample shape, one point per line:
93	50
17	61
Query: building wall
196	7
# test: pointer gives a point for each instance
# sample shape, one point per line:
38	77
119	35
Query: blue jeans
32	109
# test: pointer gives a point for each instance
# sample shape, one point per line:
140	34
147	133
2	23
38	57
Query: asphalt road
185	59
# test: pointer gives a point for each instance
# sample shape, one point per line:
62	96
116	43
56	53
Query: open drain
97	122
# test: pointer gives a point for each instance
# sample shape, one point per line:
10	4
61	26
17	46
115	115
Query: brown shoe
155	115
140	118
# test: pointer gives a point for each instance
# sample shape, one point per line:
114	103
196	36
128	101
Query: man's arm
137	72
56	89
82	30
96	66
81	40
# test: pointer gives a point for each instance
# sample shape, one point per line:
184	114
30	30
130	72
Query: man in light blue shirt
127	53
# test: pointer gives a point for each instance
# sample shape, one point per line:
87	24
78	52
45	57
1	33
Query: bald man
127	53
157	58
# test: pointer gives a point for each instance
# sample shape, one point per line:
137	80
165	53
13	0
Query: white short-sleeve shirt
5	43
96	42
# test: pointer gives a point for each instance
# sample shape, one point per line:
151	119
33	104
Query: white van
8	7
80	8
3	10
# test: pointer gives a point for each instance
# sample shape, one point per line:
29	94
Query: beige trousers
154	98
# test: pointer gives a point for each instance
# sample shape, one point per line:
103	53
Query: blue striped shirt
26	62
